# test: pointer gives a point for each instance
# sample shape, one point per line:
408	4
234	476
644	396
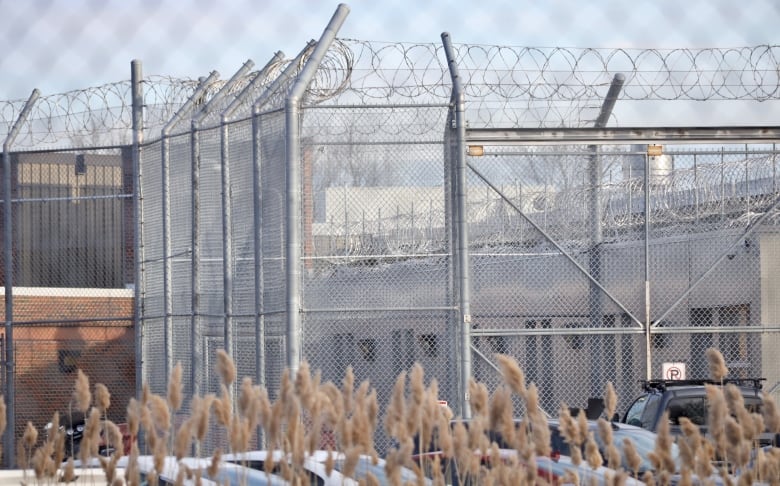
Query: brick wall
58	331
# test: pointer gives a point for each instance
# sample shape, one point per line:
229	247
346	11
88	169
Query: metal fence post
136	77
195	123
648	328
227	115
227	216
257	199
595	264
166	220
8	241
462	242
292	112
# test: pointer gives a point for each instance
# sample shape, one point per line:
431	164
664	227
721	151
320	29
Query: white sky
62	45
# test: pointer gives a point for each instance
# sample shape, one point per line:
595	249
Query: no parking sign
673	371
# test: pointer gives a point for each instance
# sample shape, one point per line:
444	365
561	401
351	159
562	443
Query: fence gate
574	277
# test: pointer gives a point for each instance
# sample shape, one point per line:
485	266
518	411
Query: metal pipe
189	104
195	334
136	78
288	73
227	223
8	270
195	259
196	344
615	135
166	220
609	100
595	300
249	88
292	113
648	327
460	193
257	203
227	260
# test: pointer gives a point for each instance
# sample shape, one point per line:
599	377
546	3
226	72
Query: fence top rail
603	136
70	292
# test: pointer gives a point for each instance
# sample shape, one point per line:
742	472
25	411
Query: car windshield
643	410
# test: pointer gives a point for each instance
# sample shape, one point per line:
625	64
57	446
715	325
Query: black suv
687	398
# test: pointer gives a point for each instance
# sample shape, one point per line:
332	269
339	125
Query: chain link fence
71	265
333	228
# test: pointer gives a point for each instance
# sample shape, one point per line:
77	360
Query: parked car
378	468
72	427
83	476
688	398
315	465
644	442
553	468
226	473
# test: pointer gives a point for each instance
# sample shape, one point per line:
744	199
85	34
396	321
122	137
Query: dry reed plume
717	365
309	414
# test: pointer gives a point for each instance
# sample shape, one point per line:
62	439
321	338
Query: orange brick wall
55	334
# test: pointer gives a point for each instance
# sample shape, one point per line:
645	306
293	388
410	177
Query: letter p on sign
673	371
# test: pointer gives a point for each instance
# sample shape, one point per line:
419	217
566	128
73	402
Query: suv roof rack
661	385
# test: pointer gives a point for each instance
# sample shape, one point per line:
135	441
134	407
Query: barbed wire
505	86
718	195
555	86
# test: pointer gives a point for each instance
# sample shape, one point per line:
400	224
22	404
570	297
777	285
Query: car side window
642	412
753	404
693	408
558	443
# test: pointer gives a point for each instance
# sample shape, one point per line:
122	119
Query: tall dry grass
309	414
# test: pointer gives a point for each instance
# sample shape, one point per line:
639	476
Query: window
368	349
343	352
575	341
498	344
67	359
694	409
660	339
429	344
402	349
642	412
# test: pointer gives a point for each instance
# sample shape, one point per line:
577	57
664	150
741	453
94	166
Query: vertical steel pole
136	77
8	241
460	192
257	207
648	329
227	217
8	272
227	241
227	115
292	111
166	222
257	191
450	232
196	343
166	251
596	301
